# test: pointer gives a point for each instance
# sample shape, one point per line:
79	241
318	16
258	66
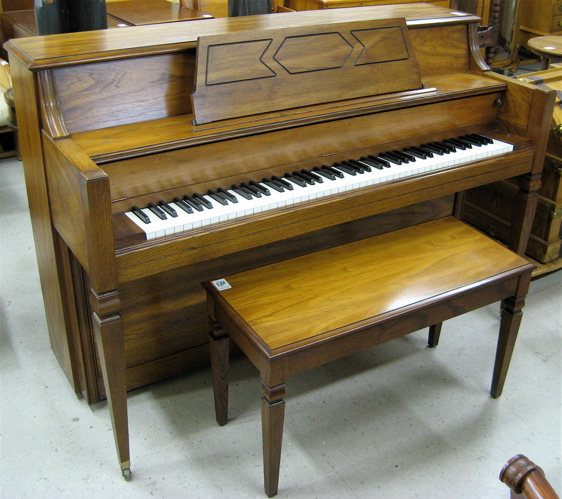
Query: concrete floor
397	421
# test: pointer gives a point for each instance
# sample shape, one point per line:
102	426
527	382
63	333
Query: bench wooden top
304	297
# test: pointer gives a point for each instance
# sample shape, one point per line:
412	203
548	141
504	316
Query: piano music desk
301	313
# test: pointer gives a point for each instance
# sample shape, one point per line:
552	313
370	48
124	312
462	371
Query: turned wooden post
526	479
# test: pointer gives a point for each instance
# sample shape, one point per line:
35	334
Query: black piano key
306	178
345	169
273	185
408	158
372	163
487	140
390	158
432	149
255	192
423	154
297	180
364	166
333	171
168	209
217	197
201	200
349	164
157	211
465	142
444	149
283	182
139	213
380	161
246	194
315	178
227	195
324	173
455	144
358	167
260	188
194	204
417	154
450	147
473	140
183	205
460	143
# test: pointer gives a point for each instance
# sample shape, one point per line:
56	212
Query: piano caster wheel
127	473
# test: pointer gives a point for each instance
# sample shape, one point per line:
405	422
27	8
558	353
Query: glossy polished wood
106	121
301	313
360	59
297	300
526	479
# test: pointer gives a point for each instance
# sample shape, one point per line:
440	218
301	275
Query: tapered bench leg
273	415
511	315
219	346
434	333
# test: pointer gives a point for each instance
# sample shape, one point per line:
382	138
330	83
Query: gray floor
397	421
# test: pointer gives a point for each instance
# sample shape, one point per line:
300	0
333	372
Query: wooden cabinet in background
332	4
539	18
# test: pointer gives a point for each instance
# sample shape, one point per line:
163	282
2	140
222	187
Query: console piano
156	116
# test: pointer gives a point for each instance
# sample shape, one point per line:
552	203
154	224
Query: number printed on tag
221	284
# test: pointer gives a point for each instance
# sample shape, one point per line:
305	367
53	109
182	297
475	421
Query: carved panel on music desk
248	73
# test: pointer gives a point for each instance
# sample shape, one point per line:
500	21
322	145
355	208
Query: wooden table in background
549	48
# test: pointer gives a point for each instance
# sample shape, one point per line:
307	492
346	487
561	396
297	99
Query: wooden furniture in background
489	207
21	23
299	314
139	12
7	5
526	480
538	18
217	8
334	4
548	48
124	311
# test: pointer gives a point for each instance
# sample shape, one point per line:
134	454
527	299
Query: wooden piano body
107	122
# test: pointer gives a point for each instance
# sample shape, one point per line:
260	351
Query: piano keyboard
198	210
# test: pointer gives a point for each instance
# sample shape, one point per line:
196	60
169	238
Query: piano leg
109	334
511	315
219	343
272	417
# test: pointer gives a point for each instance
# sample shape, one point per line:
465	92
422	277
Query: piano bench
301	313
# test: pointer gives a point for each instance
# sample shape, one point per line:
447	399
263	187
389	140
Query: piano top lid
68	49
